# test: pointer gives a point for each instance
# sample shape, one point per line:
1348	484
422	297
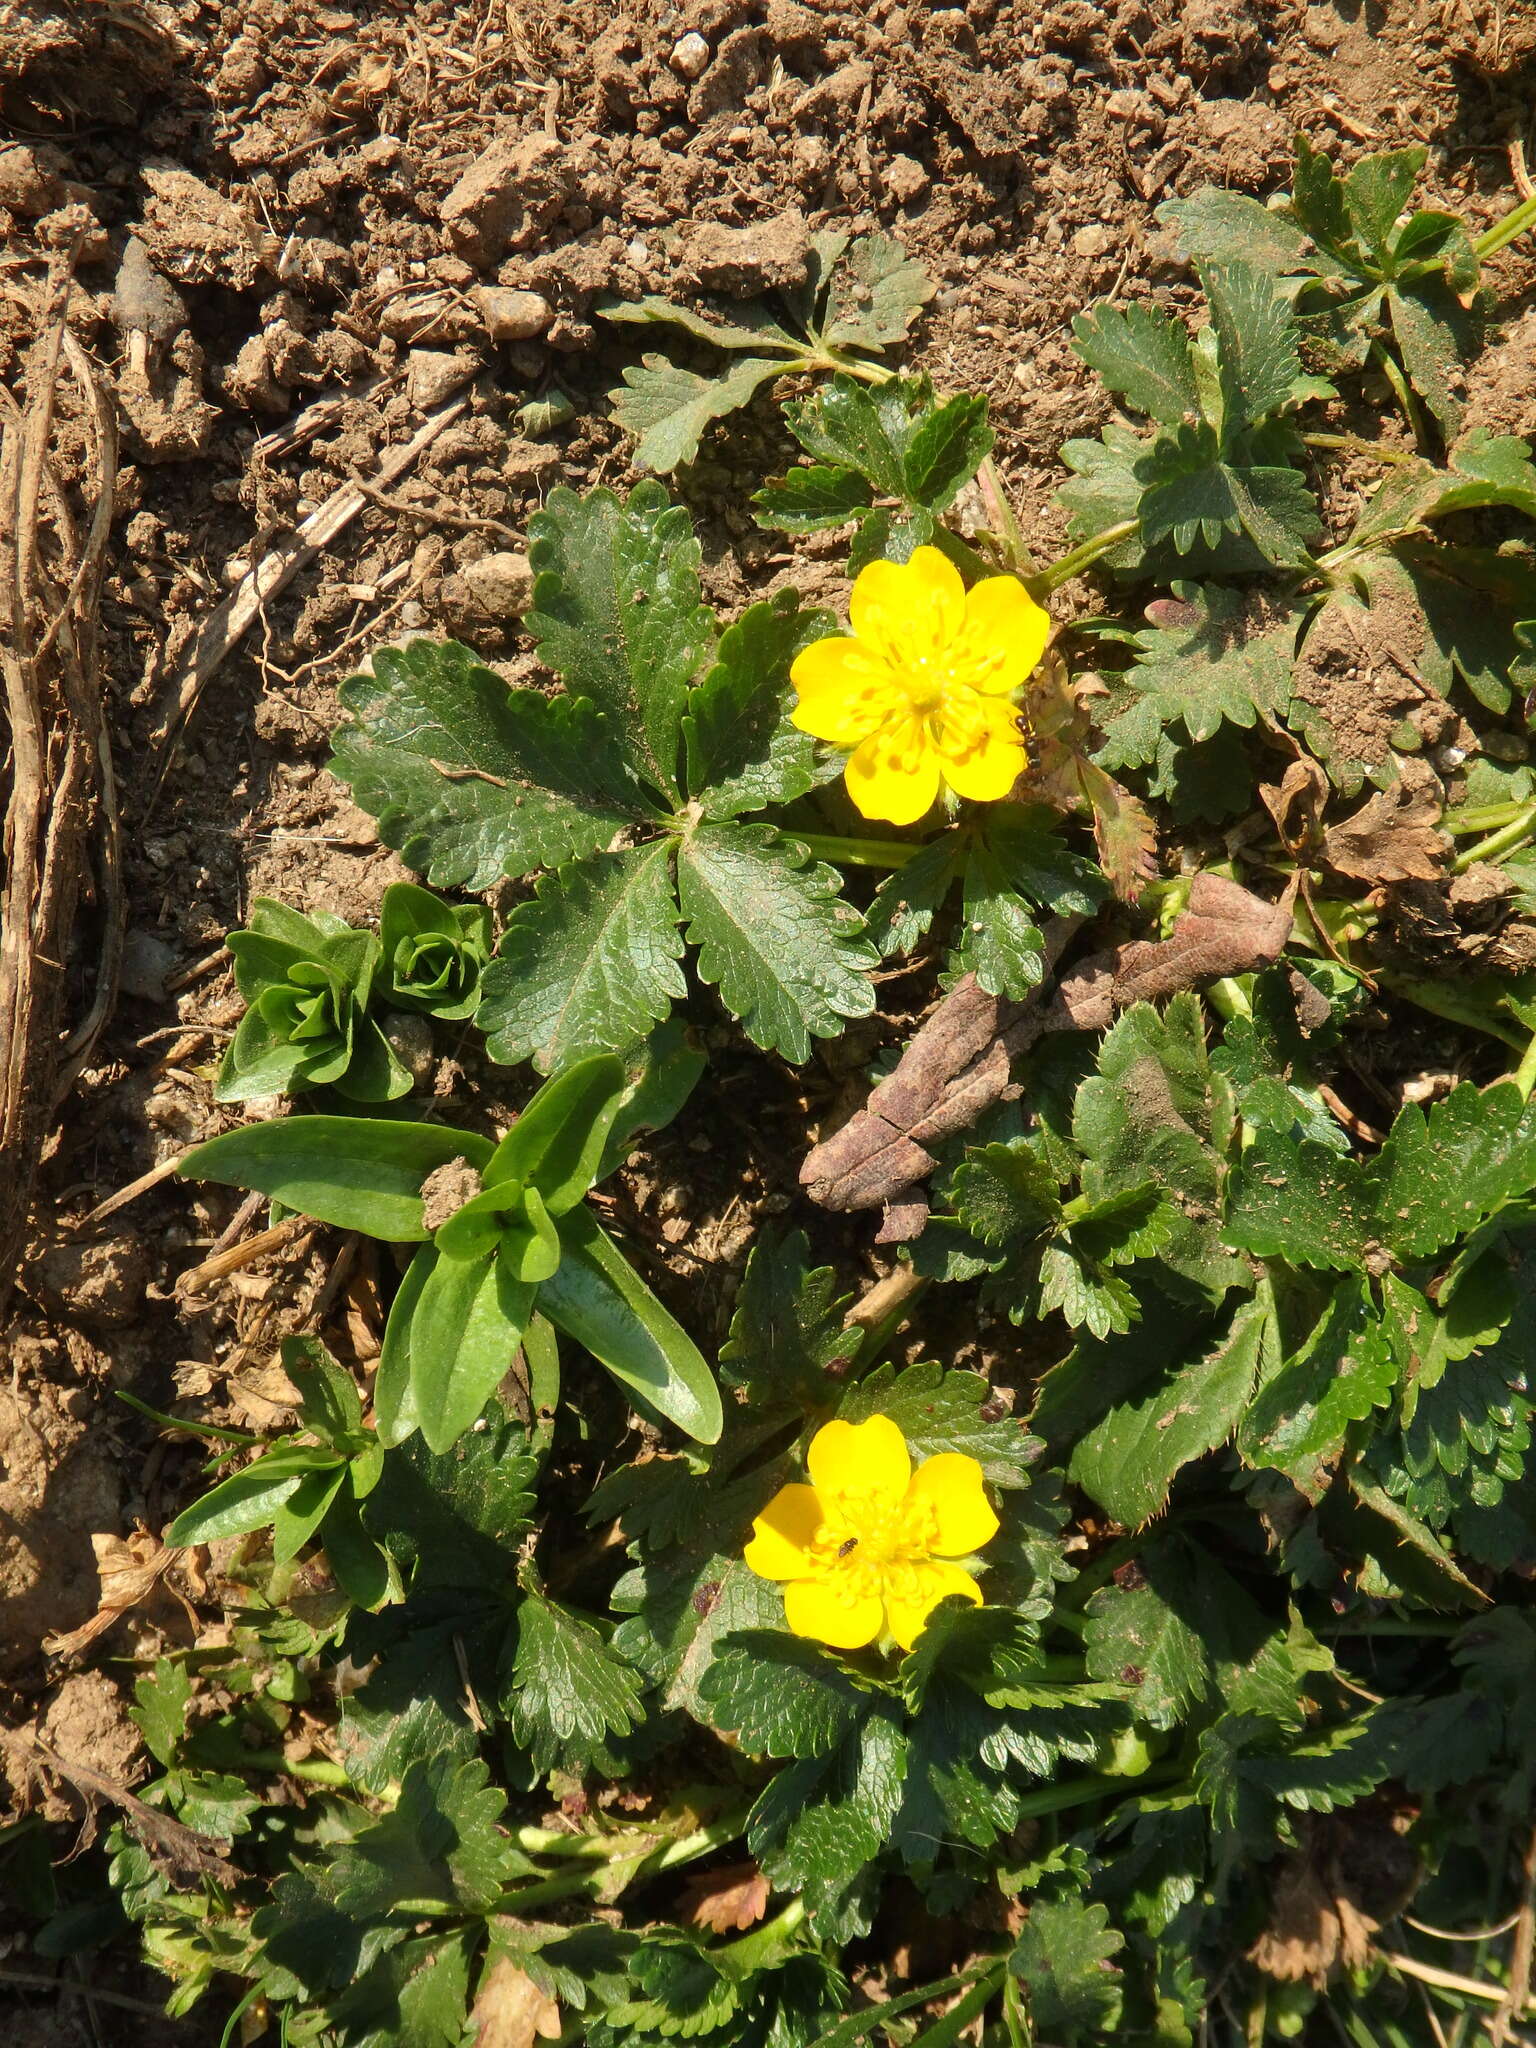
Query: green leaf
471	780
1063	1956
1193	496
598	1298
250	1498
938	1411
787	1331
750	326
559	1140
589	965
1228	227
1005	1194
947	447
1436	336
437	1851
465	1327
617	615
784	949
1376	189
813	498
1442	1170
742	753
998	940
1345	1368
1300	1201
415	1996
1144	355
907	901
569	1691
296	1519
1129	1461
1215	655
781	1696
162	1698
356	1172
667	408
453	1519
1259	364
848	425
875	293
1177	1636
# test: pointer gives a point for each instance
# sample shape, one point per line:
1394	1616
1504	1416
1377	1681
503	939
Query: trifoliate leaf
617	615
742	752
1144	355
1129	1461
667	407
875	293
937	1411
569	1691
438	1849
589	965
781	1696
1063	1957
785	951
470	780
1221	656
787	1330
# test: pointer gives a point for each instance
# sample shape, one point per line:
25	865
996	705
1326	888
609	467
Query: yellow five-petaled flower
922	690
868	1546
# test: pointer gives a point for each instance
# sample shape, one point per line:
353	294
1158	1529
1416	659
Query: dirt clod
771	255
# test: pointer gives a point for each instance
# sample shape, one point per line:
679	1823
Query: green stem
1475	818
1353	444
1504	231
1440	1001
317	1770
1082	557
855	853
742	1955
1514	834
1524	1076
1387	363
1086	1791
582	1876
1228	999
834	359
1392	1625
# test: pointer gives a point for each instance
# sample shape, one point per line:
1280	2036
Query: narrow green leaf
784	949
248	1499
599	1299
359	1173
465	1327
589	965
559	1139
300	1513
471	780
394	1400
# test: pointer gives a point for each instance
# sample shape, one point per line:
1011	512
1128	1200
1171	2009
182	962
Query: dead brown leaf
959	1062
129	1572
1296	803
1394	836
728	1900
511	2009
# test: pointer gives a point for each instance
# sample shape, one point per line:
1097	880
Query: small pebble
690	54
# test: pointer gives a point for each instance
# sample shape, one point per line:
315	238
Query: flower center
867	1539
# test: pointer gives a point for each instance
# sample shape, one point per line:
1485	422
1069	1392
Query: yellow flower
866	1546
922	689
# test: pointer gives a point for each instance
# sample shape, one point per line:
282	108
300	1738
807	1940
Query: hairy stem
1504	231
1082	557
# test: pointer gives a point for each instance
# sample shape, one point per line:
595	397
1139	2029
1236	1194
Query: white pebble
690	53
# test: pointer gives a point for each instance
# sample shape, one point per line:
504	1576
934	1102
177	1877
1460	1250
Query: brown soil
302	229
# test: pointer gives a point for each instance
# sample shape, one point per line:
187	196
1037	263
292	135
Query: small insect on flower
921	690
867	1548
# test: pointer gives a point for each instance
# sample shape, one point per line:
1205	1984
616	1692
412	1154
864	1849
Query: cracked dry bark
960	1061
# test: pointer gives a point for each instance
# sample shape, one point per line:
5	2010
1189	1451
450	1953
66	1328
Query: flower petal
845	692
783	1534
895	773
983	755
860	1458
1002	636
911	1598
950	1484
830	1612
908	611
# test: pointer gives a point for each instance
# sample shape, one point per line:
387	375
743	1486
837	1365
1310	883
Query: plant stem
317	1770
855	853
1086	1791
1228	999
1354	445
1504	231
742	1955
1524	1076
1475	818
582	1874
1514	834
1082	557
1387	363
